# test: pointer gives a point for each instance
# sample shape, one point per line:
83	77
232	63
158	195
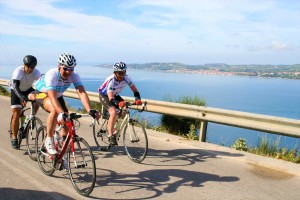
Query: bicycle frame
127	118
69	141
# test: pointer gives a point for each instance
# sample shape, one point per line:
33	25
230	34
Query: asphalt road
174	169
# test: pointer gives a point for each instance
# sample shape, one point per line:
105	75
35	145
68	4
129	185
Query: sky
191	32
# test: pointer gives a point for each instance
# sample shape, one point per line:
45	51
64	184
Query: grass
4	92
266	148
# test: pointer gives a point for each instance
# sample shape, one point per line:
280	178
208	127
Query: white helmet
119	67
67	60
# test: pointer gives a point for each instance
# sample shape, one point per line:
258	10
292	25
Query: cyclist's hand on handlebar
94	113
61	118
121	104
138	102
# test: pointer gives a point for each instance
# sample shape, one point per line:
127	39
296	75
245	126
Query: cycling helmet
67	60
30	61
119	67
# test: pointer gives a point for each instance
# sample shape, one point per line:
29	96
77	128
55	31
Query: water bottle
22	120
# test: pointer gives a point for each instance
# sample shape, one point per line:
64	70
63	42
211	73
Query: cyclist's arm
16	88
84	97
133	88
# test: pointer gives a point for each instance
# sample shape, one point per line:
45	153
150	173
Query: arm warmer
16	88
137	96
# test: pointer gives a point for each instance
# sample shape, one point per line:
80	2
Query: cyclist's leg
51	123
112	118
62	102
16	112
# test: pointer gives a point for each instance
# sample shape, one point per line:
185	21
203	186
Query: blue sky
142	31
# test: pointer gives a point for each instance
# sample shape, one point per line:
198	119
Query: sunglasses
120	73
68	68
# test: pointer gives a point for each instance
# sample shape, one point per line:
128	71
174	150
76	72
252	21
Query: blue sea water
269	96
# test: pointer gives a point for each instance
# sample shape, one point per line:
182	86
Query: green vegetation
4	92
179	125
266	148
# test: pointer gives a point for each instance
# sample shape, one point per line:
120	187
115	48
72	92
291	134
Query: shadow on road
175	157
156	182
16	194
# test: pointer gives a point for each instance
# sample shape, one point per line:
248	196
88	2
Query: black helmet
30	61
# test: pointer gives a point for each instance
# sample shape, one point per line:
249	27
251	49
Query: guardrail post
203	130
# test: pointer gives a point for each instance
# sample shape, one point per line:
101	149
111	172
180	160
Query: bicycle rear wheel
135	141
31	136
45	161
82	167
100	134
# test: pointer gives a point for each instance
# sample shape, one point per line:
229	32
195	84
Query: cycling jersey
111	84
26	80
53	81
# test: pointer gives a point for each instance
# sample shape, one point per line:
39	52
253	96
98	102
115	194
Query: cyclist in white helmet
55	82
109	95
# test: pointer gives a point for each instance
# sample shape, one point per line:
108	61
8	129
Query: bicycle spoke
135	141
101	135
31	135
82	169
44	160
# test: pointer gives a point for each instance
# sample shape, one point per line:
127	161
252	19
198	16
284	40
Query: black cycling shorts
15	100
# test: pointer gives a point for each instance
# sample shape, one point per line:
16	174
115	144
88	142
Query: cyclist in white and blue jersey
54	83
109	96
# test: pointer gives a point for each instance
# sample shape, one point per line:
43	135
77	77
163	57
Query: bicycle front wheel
100	134
82	167
135	141
44	160
31	131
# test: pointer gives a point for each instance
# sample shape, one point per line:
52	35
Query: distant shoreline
267	71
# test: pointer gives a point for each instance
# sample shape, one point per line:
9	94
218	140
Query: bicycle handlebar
144	104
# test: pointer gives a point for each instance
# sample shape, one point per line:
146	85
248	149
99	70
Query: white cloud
146	30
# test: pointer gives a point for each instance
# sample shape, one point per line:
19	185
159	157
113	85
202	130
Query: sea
268	96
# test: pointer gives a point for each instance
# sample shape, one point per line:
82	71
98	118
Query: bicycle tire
82	167
100	134
31	136
135	141
44	161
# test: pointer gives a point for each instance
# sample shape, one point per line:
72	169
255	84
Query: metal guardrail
265	123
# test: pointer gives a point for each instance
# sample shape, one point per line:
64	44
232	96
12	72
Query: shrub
179	125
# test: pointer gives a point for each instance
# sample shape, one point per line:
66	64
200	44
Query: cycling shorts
15	100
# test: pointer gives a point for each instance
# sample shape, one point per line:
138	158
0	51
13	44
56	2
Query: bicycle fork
75	158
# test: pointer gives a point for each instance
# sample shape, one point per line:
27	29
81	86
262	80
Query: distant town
278	71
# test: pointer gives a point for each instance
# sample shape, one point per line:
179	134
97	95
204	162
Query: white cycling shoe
49	143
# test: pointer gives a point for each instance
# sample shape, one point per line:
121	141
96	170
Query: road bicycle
75	151
134	134
28	129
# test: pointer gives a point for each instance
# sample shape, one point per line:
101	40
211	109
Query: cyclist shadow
11	193
154	183
174	157
183	157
